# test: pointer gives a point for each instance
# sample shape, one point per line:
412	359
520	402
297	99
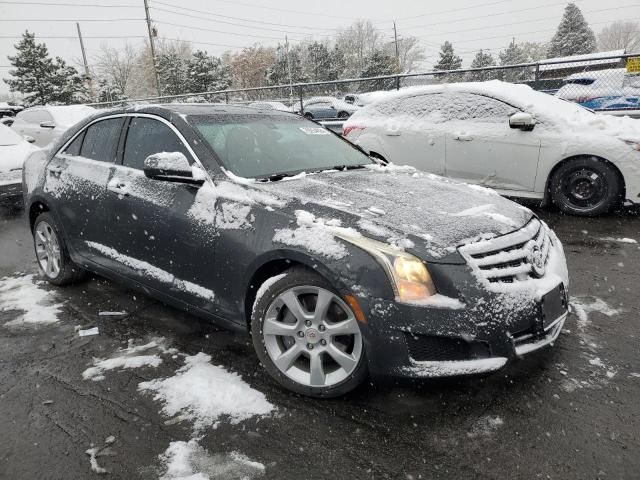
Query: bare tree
358	42
620	35
117	66
409	51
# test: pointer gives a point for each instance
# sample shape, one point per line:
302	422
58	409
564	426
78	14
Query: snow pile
316	235
582	309
154	272
619	240
202	393
26	294
127	358
190	461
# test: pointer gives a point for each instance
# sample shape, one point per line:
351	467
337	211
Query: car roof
186	109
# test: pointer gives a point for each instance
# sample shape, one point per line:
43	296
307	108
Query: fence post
301	101
397	82
226	97
537	74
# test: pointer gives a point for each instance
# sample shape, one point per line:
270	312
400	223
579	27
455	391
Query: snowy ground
158	394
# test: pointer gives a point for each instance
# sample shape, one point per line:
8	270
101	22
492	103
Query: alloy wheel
48	250
312	336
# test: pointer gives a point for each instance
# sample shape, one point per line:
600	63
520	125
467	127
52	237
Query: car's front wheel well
35	210
547	190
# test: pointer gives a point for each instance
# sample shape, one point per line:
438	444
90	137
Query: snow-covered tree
286	66
206	73
410	53
482	60
337	63
378	65
358	43
318	62
117	67
620	35
40	78
173	73
109	92
574	36
448	58
513	55
534	51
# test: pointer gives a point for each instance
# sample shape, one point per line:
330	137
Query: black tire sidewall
614	186
69	271
292	278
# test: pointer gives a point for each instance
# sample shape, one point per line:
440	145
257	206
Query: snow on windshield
8	136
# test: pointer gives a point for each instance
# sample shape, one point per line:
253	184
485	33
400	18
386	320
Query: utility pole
286	45
84	60
152	46
395	36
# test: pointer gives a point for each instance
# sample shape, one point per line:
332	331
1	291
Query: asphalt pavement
568	412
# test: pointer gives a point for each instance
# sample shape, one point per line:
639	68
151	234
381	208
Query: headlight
633	144
409	275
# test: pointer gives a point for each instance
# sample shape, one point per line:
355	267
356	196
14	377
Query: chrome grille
509	258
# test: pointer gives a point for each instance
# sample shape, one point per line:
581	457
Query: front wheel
52	253
308	116
586	186
307	337
343	115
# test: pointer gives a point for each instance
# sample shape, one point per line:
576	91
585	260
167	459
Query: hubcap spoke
286	359
346	361
292	302
273	327
348	327
323	303
316	369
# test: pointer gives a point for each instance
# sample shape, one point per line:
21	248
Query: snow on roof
598	74
581	60
69	115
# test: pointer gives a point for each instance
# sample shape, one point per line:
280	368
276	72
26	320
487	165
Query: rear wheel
343	115
52	253
307	337
586	186
308	115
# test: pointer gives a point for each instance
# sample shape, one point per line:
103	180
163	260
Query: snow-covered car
508	137
45	124
612	89
13	151
281	107
325	108
268	224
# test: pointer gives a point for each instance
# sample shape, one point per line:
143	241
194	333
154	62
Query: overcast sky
231	25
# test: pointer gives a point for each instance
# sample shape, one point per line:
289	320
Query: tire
586	186
308	115
343	115
52	254
276	330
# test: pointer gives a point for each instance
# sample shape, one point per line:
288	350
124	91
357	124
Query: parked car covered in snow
612	89
324	108
45	124
281	107
508	137
13	151
265	222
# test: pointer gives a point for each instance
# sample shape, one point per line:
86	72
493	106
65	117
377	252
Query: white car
13	151
45	124
508	137
279	106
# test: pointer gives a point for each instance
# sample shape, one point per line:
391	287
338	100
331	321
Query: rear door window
147	136
101	140
74	147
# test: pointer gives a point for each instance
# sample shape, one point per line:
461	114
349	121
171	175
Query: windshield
261	146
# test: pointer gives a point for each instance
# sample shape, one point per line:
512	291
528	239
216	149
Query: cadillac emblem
537	261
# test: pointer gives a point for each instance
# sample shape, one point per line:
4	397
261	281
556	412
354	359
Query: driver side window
147	136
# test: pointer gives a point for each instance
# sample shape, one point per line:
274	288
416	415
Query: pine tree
573	37
318	62
482	60
514	55
278	73
172	73
205	73
448	59
380	64
337	63
109	92
41	79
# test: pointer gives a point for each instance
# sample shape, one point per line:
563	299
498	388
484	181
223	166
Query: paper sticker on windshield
315	130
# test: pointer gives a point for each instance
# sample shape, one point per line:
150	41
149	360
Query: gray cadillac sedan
265	222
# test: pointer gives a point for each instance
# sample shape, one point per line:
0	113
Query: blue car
611	89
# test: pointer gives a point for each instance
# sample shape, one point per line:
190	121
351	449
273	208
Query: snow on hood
405	207
558	114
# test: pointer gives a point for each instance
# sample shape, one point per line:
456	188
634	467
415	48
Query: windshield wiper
341	168
276	176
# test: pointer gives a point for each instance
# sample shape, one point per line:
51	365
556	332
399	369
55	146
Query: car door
412	133
481	147
76	180
153	239
32	126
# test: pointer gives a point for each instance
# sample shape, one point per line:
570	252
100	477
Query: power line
454	10
306	27
217	31
55	37
56	4
71	20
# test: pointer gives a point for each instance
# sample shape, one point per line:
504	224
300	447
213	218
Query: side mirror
171	167
47	124
29	139
523	121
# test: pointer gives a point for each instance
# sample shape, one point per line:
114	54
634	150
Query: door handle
118	187
463	138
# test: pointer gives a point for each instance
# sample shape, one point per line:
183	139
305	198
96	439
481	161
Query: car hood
422	212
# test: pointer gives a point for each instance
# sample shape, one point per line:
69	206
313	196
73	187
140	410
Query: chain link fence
608	83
